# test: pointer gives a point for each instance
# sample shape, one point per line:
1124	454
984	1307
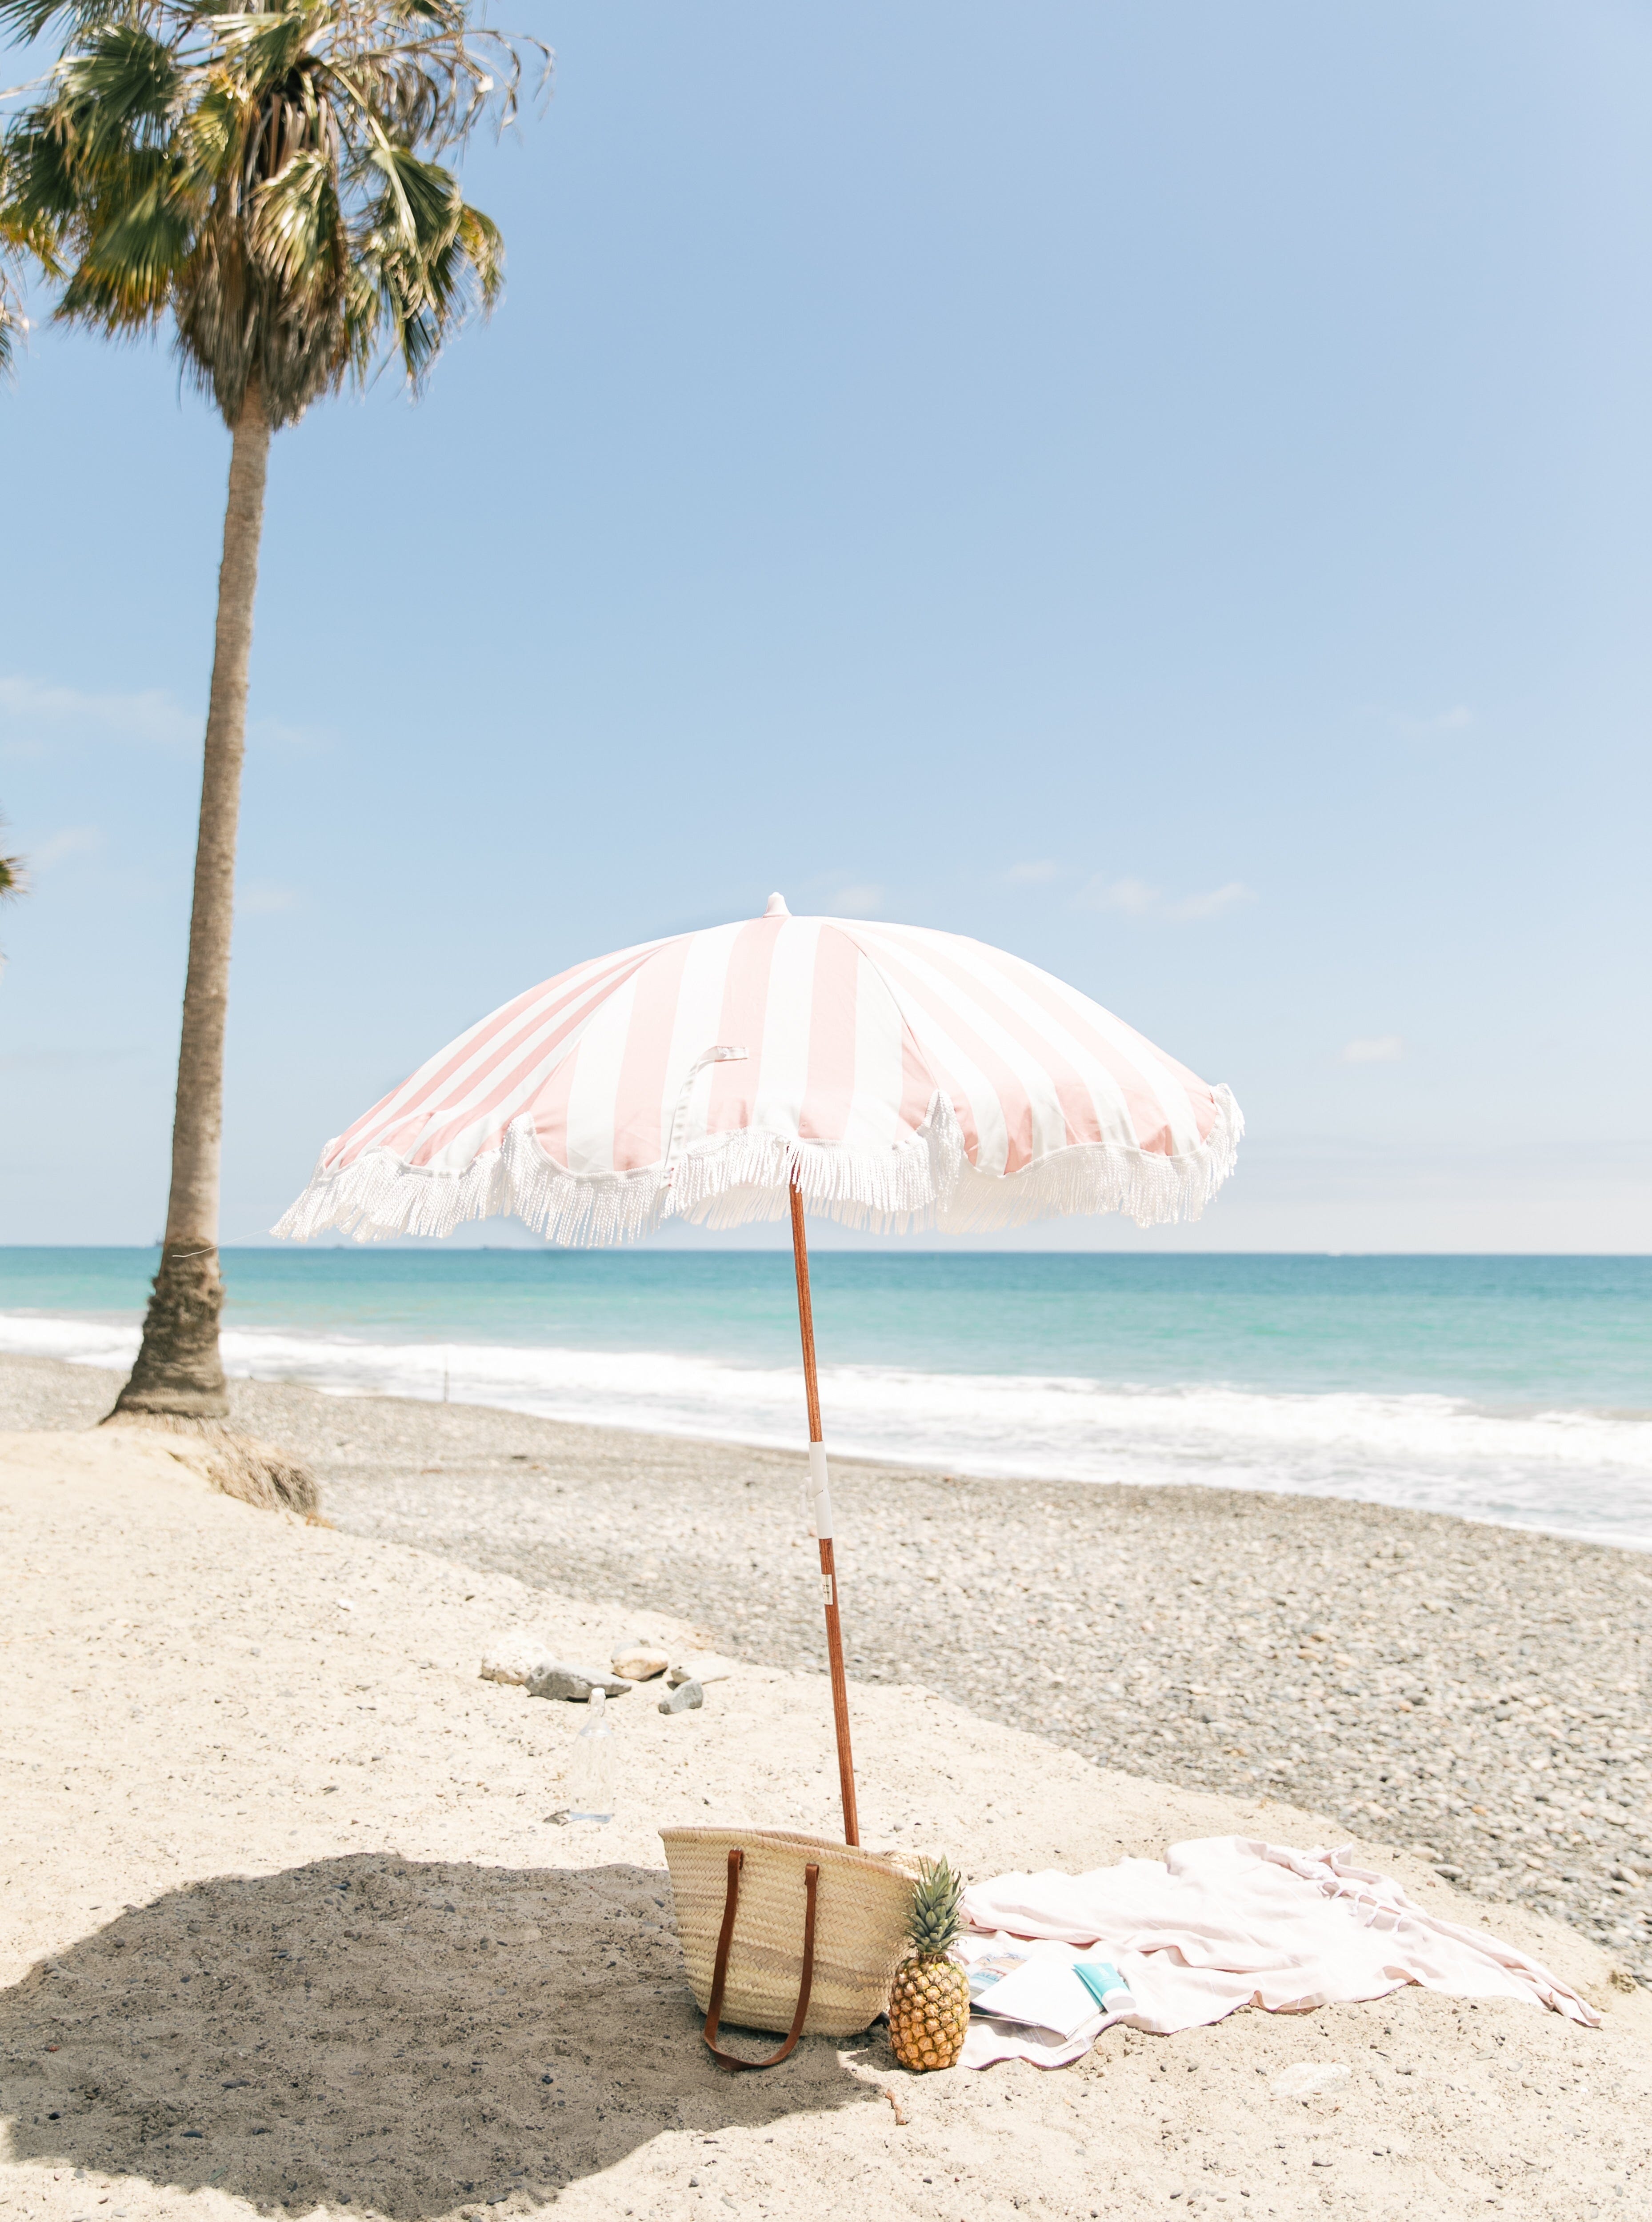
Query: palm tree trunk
178	1372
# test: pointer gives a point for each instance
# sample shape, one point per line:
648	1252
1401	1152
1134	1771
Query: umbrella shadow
400	2037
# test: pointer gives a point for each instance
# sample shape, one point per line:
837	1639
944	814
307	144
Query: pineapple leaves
267	178
935	1919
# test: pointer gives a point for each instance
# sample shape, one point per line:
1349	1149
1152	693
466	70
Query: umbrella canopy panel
888	1076
897	1077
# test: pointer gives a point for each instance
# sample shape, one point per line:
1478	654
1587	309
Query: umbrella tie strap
718	1053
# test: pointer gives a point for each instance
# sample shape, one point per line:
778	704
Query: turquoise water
1505	1388
1516	1333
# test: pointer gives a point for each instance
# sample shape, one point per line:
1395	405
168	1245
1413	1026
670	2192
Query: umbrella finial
776	907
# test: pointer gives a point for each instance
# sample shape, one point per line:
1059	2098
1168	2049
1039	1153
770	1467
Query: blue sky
1162	489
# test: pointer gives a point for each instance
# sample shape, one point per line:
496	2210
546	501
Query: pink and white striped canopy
899	1076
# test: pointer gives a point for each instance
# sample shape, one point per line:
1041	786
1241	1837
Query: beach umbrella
887	1076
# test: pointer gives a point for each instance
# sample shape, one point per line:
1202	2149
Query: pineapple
929	1999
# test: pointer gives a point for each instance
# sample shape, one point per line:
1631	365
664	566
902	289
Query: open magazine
1044	1985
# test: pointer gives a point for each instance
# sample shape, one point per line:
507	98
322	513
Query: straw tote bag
786	1933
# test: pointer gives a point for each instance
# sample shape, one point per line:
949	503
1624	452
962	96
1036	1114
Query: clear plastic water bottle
591	1771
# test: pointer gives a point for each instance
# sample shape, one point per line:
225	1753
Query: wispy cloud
1135	899
265	898
1036	874
1374	1049
1440	723
31	709
71	841
66	1060
1213	902
861	898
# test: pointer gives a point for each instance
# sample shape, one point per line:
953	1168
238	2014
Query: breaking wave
1577	1472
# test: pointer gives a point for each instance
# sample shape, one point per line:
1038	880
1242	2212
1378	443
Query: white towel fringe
730	1180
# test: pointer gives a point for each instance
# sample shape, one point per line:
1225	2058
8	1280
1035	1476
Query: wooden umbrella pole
822	1504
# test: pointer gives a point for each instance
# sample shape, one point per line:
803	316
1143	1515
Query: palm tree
267	179
14	874
12	319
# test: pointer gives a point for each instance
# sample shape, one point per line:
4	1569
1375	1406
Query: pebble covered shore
1477	1694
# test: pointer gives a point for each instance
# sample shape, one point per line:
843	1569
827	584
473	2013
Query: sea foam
1581	1473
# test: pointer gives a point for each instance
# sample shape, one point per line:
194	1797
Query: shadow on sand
405	2038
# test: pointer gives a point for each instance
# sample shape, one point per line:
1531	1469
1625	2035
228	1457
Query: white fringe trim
730	1180
1093	1176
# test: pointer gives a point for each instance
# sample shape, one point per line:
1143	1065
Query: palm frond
125	277
13	322
211	128
264	46
14	876
484	244
363	314
24	21
40	190
418	209
297	231
268	175
118	90
33	205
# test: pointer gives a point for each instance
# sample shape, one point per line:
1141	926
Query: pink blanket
1223	1922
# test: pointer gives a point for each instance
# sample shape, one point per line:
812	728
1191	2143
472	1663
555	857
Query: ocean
1517	1389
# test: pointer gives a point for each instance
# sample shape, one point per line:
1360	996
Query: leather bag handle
719	1973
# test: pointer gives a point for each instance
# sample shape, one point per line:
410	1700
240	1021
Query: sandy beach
287	1927
1480	1695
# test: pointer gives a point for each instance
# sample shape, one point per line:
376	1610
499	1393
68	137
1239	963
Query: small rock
515	1657
1308	2077
556	1679
639	1662
685	1697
